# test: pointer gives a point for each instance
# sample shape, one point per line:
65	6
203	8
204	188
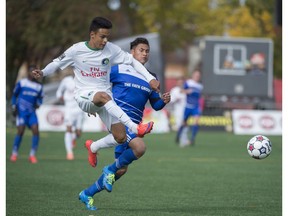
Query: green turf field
216	177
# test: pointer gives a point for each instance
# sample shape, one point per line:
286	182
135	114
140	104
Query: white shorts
84	99
74	117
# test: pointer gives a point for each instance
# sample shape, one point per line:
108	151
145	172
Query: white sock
106	142
32	152
116	111
68	142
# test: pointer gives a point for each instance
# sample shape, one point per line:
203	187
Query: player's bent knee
119	133
101	98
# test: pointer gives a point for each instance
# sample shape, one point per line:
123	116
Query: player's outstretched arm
49	69
154	84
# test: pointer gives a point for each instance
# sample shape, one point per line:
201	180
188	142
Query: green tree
180	22
38	30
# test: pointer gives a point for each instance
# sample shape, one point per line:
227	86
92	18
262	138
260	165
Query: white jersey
74	116
66	91
178	100
92	66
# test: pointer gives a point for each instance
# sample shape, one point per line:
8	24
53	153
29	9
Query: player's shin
68	142
16	145
106	142
96	187
35	143
126	158
117	112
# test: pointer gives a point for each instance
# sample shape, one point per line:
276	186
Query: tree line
39	30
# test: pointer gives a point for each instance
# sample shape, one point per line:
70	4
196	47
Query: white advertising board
51	118
265	122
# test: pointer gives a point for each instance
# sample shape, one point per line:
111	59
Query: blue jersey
192	99
27	95
131	91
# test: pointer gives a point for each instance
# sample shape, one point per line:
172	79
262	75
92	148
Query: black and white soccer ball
259	147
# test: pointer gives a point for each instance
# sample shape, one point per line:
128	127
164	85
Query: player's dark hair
137	41
99	22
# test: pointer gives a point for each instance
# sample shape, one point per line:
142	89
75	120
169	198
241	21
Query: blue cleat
109	179
87	200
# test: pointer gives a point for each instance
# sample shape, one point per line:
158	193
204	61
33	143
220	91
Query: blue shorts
28	119
191	112
119	149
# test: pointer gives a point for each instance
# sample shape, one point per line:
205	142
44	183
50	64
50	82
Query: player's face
141	53
99	38
196	76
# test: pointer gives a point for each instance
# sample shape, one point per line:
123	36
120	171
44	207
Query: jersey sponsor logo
30	93
61	56
94	74
105	61
134	85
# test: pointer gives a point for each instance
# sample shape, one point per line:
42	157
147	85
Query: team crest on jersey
105	61
61	56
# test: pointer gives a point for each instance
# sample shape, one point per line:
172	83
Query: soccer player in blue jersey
131	92
27	97
192	88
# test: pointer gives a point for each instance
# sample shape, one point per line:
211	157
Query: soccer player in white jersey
126	83
74	116
178	101
91	62
193	89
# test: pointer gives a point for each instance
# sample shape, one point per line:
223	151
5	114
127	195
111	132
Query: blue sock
126	158
194	131
35	142
17	142
96	187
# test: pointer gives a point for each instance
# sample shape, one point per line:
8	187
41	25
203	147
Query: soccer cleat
108	179
92	157
33	159
144	128
13	158
70	156
87	200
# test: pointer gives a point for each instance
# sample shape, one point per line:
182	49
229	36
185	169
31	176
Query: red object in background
170	83
277	85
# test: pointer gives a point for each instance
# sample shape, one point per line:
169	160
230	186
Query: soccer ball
259	147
